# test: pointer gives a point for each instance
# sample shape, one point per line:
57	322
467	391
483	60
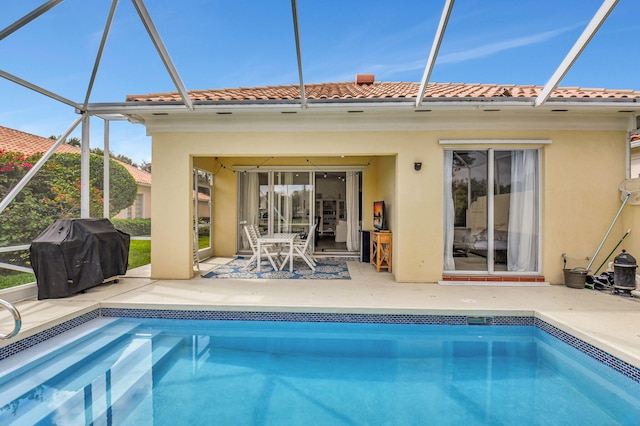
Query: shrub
53	193
133	227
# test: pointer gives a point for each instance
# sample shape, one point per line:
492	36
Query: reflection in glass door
469	192
292	197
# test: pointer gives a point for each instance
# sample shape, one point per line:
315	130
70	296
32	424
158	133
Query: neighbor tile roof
25	143
384	90
141	177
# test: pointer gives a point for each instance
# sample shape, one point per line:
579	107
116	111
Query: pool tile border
598	354
40	337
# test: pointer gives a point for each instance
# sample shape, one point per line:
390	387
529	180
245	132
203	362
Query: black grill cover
72	255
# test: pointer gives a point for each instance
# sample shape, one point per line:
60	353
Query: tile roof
384	90
25	143
141	177
16	141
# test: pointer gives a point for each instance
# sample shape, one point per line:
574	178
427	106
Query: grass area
139	254
16	278
203	242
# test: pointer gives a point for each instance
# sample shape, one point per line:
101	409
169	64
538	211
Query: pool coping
562	332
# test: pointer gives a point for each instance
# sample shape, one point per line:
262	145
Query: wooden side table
380	253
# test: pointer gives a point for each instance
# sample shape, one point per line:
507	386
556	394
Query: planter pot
574	279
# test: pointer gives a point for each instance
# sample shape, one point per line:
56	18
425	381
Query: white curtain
353	211
522	245
448	213
249	204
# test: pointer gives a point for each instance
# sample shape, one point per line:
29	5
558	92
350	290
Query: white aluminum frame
120	111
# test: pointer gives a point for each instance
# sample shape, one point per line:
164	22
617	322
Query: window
491	210
139	206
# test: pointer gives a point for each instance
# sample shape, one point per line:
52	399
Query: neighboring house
28	144
12	140
141	208
479	184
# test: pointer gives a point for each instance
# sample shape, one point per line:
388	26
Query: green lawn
139	254
16	278
203	241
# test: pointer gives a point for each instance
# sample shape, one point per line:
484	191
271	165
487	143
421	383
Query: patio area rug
327	269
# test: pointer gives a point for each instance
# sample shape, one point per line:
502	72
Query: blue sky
232	43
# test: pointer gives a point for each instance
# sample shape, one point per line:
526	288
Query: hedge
133	227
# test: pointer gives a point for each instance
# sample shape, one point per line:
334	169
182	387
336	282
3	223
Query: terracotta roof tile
384	90
141	177
25	143
16	141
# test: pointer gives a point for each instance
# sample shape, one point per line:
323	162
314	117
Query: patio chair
301	249
267	249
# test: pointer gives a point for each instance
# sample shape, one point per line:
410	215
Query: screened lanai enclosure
492	225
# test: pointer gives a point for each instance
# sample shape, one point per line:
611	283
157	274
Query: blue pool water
191	372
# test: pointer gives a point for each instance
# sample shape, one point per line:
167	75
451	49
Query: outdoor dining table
283	239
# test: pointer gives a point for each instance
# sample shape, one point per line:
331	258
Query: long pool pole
614	249
608	231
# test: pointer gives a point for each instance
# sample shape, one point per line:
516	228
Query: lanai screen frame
123	110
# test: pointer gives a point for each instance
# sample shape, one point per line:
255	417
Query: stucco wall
581	171
172	206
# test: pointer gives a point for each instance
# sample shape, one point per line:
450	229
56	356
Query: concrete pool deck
609	322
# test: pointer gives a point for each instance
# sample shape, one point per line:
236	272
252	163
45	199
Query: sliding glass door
275	201
280	201
491	210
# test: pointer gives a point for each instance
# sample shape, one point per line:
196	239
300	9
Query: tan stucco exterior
581	172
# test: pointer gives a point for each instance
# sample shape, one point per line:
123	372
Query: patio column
172	210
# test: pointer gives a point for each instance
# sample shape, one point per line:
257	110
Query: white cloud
492	48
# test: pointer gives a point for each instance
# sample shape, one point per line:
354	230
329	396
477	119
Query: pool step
44	351
55	359
135	384
26	382
110	383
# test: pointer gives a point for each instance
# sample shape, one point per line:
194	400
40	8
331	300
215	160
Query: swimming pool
156	371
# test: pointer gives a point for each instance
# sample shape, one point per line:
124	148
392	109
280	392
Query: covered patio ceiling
117	110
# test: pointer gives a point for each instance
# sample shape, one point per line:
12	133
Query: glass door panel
292	201
203	197
501	209
469	190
